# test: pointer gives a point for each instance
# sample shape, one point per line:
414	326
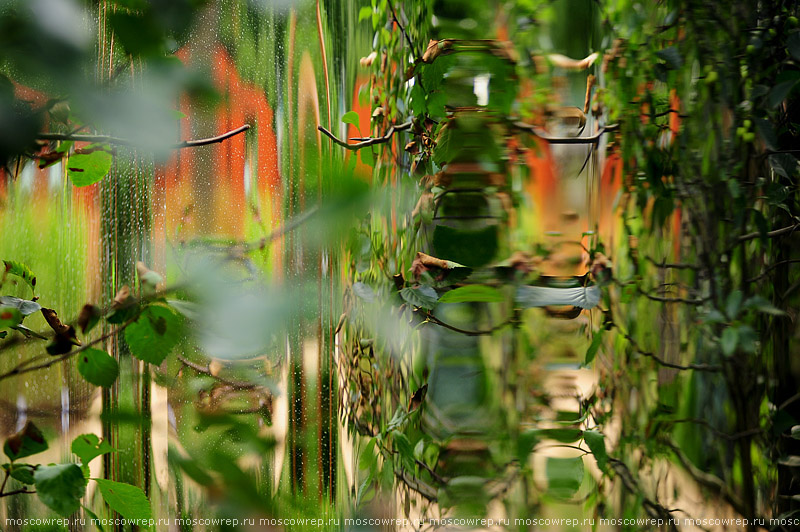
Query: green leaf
367	458
88	447
26	442
796	432
351	117
60	487
733	304
9	317
565	435
98	367
597	341
779	92
597	444
88	168
25	306
95	520
472	293
783	164
20	472
761	304
364	291
793	45
418	105
564	475
525	444
128	501
22	271
423	296
367	157
364	13
729	339
671	56
154	334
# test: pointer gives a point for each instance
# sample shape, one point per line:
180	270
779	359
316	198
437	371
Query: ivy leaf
86	169
153	335
423	296
128	501
597	444
22	271
88	447
351	117
26	442
60	487
472	293
729	339
564	475
98	367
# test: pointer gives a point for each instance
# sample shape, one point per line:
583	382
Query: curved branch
127	142
206	370
770	234
662	362
594	139
367	142
21	368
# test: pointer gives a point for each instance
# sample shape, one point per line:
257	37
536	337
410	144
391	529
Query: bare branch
708	480
770	268
127	142
367	142
674	266
430	318
206	370
403	31
770	234
24	368
662	362
594	139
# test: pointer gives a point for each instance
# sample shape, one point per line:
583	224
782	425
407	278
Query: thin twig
770	234
417	485
770	268
671	299
20	369
715	430
593	139
288	226
370	141
206	370
17	492
674	266
403	31
707	479
430	318
127	142
662	362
